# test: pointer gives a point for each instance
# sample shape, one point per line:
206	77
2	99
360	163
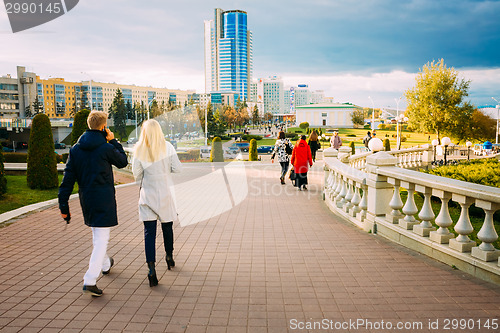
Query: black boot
170	260
153	281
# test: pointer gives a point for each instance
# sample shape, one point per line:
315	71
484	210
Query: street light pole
398	142
498	109
373	114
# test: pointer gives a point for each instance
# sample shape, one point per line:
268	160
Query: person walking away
367	139
335	140
301	160
314	144
90	165
283	147
154	161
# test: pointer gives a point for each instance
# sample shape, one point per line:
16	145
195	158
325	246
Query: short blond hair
96	119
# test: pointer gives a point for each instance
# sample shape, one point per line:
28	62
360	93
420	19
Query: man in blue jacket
90	164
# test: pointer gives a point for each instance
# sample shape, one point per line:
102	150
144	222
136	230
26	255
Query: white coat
156	199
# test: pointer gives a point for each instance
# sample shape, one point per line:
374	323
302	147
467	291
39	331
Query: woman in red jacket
301	160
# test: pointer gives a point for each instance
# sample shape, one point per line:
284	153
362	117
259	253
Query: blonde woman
154	160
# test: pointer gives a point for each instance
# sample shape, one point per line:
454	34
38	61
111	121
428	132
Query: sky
350	49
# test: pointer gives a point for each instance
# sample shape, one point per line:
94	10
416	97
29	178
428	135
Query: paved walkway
277	261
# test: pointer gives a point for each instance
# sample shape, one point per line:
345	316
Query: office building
16	93
228	53
337	115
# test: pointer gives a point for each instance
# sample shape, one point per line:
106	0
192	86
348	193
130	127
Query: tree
352	145
3	180
130	110
79	125
481	127
255	115
304	125
119	113
252	151
216	154
358	117
268	116
387	144
436	103
155	109
42	164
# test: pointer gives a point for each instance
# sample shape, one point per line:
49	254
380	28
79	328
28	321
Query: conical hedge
42	164
252	151
79	125
217	154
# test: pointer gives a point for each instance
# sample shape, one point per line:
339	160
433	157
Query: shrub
15	157
42	164
304	125
249	137
387	145
190	155
79	125
291	136
367	127
3	180
252	151
382	126
216	154
482	171
351	135
353	147
65	157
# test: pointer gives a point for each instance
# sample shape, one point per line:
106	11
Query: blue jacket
89	163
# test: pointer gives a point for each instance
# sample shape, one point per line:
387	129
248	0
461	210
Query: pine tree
42	164
119	112
255	115
387	145
79	125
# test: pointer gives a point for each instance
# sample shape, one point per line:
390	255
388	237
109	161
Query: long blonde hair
151	146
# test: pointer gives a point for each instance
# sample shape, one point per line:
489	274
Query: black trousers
284	168
301	179
150	239
313	154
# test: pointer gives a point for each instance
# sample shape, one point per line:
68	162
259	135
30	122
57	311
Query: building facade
17	93
228	53
336	115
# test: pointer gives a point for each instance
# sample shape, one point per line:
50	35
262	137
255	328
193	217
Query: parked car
265	149
132	141
59	145
21	145
243	146
228	153
7	150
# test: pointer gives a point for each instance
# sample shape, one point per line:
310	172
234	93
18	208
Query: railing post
410	208
487	235
426	214
328	152
463	227
379	190
427	155
443	220
396	203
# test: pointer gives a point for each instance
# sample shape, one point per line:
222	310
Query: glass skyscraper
228	53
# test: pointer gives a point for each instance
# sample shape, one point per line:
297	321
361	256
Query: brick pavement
278	256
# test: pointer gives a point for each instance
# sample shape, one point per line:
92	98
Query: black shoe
112	262
282	180
305	188
92	290
153	280
170	261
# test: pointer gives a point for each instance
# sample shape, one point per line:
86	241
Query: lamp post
373	113
435	142
468	144
324	137
398	144
90	83
498	109
206	127
446	142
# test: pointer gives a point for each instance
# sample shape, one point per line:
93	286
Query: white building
334	115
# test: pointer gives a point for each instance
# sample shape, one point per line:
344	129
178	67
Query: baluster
426	214
343	191
410	208
487	235
462	243
443	220
363	205
338	187
356	199
329	183
396	203
348	196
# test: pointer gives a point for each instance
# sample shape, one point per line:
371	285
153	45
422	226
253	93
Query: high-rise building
228	53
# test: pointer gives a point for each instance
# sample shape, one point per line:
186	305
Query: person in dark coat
90	164
301	160
314	144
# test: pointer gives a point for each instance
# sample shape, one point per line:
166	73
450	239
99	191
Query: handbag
292	176
288	149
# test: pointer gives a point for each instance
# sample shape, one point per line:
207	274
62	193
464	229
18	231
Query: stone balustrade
366	191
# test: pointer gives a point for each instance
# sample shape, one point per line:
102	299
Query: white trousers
99	260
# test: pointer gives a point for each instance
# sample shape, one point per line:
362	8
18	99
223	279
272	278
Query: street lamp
468	144
446	142
373	114
435	142
498	109
398	144
375	145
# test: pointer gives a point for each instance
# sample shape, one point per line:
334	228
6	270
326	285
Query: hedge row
481	171
248	137
23	157
190	155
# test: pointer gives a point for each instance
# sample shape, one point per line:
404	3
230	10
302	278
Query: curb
13	215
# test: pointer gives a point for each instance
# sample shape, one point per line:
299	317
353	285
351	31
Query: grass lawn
19	194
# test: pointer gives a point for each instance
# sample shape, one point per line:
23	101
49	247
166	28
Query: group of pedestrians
90	164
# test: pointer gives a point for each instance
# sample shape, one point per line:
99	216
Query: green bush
387	145
42	164
304	125
15	157
382	126
481	171
216	154
3	180
79	125
351	135
291	136
65	157
353	147
298	131
252	151
249	137
367	127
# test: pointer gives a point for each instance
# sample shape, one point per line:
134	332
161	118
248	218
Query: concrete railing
407	158
370	198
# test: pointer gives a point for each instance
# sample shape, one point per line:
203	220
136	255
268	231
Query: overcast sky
349	49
